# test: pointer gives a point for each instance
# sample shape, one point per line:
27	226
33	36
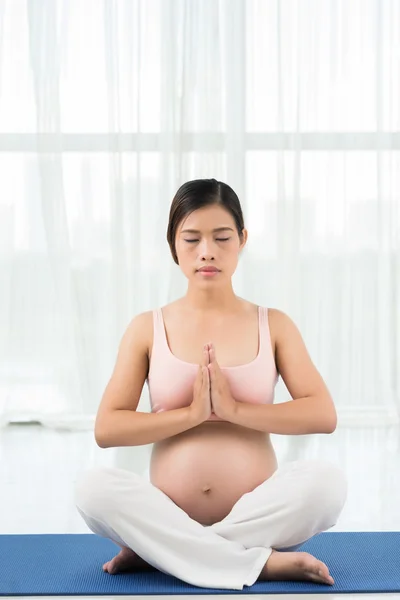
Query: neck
211	299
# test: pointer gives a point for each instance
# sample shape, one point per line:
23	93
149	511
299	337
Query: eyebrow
214	230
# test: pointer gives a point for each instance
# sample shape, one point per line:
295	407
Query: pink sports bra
170	380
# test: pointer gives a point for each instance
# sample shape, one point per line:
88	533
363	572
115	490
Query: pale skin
212	297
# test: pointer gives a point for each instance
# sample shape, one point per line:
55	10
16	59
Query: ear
244	239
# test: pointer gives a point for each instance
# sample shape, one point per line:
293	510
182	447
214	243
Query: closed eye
217	239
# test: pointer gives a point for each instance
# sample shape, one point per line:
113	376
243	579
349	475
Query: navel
206	489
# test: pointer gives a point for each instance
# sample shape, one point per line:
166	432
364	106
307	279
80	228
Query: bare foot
126	560
295	566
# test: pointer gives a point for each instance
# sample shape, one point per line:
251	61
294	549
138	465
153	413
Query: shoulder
141	321
140	330
282	327
279	319
141	327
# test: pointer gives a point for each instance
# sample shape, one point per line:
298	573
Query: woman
218	511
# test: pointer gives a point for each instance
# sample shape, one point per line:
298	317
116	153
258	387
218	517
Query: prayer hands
223	405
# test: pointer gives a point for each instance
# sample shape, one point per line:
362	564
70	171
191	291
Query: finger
206	380
206	358
211	371
207	346
213	364
213	358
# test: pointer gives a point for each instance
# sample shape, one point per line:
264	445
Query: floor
38	467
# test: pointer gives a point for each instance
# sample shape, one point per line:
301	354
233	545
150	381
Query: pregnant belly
207	469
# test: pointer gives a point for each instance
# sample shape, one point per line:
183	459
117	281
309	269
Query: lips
208	270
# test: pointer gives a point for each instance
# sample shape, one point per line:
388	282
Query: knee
325	489
93	493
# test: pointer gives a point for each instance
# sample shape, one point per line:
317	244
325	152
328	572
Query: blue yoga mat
64	565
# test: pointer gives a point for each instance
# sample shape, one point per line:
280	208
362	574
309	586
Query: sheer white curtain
107	107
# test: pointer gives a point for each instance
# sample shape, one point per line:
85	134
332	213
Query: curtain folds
107	107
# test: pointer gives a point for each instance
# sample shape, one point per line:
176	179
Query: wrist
192	418
231	409
234	410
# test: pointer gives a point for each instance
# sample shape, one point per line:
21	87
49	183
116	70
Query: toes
320	574
313	577
324	577
108	567
317	578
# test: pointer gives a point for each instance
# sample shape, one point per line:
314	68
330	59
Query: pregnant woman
217	510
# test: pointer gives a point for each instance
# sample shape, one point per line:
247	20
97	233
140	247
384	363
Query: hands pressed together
211	389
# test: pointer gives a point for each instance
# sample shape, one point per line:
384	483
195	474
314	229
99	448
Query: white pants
301	499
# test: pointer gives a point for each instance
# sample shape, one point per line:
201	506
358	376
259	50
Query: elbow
104	428
328	417
331	424
100	436
330	429
101	440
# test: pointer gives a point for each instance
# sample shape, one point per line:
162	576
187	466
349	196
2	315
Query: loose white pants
301	499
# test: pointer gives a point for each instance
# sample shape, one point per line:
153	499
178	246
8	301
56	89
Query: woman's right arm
117	422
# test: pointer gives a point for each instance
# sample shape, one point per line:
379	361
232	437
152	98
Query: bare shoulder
140	330
282	329
280	321
292	357
130	371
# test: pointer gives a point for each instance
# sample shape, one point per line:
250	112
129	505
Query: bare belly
205	470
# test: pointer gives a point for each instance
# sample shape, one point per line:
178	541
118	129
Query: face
208	238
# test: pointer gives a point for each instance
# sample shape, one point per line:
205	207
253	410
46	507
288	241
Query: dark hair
195	194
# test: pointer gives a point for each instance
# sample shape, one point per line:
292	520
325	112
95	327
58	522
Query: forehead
208	217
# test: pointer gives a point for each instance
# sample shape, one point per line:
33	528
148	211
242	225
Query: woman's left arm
311	409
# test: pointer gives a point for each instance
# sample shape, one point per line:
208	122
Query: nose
206	250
